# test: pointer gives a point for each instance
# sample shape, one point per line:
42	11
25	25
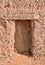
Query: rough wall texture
38	38
12	9
7	31
38	35
17	9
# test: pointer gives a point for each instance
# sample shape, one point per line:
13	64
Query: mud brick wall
7	31
38	36
22	34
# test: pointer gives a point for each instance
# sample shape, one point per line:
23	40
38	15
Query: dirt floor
22	59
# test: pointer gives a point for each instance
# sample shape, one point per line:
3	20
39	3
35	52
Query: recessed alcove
23	36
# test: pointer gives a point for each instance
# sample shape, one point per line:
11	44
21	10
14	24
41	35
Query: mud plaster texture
7	31
18	36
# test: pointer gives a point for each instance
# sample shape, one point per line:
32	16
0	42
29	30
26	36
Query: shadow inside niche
23	37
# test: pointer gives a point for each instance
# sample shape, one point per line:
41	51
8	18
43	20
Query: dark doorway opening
23	36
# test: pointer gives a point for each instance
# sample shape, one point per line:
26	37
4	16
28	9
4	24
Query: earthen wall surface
15	17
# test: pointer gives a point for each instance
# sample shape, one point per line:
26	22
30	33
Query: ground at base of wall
20	59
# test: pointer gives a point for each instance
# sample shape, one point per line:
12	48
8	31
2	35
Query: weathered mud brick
39	8
38	29
38	38
7	31
17	9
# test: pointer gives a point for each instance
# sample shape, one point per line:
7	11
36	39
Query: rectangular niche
22	36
